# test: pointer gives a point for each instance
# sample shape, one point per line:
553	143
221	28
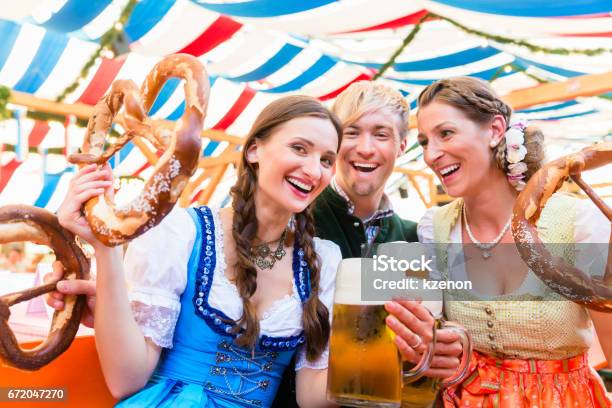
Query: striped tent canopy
259	50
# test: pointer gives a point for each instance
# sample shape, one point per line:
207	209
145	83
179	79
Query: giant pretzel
112	224
566	280
26	223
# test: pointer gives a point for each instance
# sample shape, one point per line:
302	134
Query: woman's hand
447	354
89	182
71	287
413	325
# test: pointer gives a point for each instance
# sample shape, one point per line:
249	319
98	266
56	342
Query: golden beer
422	392
365	365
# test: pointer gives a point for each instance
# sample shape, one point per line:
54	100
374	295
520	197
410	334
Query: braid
315	316
499	153
484	102
244	228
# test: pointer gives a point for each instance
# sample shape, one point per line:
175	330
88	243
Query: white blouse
156	270
591	227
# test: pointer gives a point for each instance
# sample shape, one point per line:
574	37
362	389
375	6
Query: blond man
354	211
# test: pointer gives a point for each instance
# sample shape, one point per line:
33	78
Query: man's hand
71	287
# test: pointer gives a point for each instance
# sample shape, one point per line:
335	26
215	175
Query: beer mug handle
466	343
419	370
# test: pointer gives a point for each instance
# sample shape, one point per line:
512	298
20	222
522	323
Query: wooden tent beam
216	173
215	179
232	156
83	111
412	177
185	199
80	110
214	167
211	169
416	186
585	85
146	150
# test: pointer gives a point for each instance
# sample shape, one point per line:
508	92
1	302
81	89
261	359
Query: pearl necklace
486	248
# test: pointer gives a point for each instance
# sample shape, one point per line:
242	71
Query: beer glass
422	392
365	366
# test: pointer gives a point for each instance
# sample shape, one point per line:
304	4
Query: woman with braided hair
219	300
530	343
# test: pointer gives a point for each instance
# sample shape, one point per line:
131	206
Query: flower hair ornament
516	152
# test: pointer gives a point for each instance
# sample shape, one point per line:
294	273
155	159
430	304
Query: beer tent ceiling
259	50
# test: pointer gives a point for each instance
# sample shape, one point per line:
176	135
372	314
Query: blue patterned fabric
205	368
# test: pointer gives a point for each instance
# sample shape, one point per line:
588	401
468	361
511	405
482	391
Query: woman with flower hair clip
530	344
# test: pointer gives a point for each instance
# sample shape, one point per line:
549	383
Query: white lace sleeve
156	271
330	256
591	234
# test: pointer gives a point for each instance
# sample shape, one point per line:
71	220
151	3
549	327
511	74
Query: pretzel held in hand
114	225
566	280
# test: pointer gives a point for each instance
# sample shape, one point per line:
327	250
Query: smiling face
296	162
368	151
457	148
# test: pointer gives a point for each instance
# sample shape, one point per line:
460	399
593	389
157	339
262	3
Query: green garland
131	178
5	94
517	68
42	116
106	43
526	44
53	150
50	150
53	117
606	97
397	52
491	37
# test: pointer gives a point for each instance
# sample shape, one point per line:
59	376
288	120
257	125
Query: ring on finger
419	341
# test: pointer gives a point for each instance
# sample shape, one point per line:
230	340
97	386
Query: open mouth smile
299	185
447	171
364	167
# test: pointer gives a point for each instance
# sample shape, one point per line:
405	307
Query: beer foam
348	283
348	288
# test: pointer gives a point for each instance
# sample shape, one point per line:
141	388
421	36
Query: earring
493	144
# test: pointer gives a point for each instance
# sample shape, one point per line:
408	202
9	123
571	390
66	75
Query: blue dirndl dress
205	368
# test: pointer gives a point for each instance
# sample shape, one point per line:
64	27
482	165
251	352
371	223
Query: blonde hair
479	102
366	96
